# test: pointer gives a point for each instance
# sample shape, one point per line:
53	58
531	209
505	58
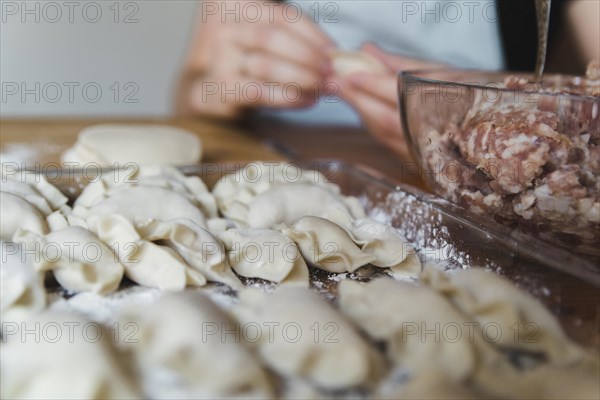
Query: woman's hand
259	58
375	97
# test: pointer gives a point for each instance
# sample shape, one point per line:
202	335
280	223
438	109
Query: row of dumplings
162	229
292	343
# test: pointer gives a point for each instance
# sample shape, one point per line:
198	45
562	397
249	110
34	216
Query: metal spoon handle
542	9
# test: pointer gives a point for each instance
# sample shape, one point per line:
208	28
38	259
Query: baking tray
446	236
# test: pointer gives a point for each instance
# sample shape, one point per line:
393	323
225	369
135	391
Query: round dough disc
108	144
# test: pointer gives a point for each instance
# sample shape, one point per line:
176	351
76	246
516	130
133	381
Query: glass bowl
526	155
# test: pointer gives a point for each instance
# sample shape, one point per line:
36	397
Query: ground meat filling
534	162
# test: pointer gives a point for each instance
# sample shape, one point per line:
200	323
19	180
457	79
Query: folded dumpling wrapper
80	261
258	176
262	195
389	248
440	342
490	299
35	189
326	245
265	254
454	346
187	256
170	178
148	193
17	213
110	145
189	335
301	336
22	291
69	357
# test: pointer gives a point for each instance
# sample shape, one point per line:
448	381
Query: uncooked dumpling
119	145
22	290
146	263
490	299
43	199
426	334
186	333
143	203
258	176
34	188
299	335
28	193
262	195
186	256
80	261
162	176
446	335
265	254
202	251
394	312
17	213
69	358
326	245
290	202
388	247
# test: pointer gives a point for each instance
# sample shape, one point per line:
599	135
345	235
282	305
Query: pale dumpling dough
202	251
264	194
80	261
301	336
388	247
426	334
149	193
108	145
69	358
287	203
187	256
258	176
165	177
490	299
22	290
40	201
326	245
144	203
34	188
437	332
17	213
265	254
348	62
186	333
389	310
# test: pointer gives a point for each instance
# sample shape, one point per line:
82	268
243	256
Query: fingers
267	68
380	117
310	32
280	43
229	97
382	86
396	62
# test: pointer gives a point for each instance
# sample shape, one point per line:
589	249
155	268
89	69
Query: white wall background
63	58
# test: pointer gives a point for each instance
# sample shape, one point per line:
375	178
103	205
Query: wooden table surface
28	142
42	141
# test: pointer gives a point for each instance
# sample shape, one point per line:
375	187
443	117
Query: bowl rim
415	75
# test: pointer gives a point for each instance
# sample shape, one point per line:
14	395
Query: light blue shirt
461	33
